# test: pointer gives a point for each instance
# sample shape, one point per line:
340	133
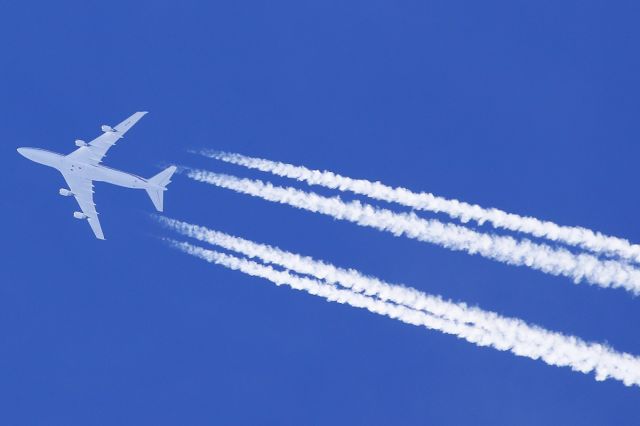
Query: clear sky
527	106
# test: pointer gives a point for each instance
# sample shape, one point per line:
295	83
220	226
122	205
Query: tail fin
157	186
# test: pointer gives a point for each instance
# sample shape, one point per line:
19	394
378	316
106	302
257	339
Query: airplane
82	167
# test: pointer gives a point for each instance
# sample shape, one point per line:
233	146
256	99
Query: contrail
555	261
348	278
573	235
517	337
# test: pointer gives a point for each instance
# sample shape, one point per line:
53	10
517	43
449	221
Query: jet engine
106	128
79	215
65	192
80	143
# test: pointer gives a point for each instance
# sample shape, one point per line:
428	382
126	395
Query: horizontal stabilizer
157	186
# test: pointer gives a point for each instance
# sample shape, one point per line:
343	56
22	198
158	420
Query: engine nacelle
80	143
106	128
65	192
79	215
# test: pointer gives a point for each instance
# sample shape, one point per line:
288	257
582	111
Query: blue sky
532	108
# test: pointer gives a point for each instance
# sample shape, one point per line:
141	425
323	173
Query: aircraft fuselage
92	172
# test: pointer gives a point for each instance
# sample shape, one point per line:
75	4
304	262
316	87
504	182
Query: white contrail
573	235
556	261
348	278
517	337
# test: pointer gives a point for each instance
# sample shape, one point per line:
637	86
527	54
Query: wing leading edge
82	190
95	151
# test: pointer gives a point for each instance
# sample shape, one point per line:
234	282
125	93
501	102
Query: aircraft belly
115	177
42	156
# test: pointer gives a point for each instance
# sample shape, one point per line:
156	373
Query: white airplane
82	167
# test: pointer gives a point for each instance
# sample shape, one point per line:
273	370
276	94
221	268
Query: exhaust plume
506	334
572	235
555	261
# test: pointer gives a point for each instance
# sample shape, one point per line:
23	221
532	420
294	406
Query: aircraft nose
28	153
25	152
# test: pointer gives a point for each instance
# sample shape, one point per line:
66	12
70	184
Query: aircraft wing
95	151
83	191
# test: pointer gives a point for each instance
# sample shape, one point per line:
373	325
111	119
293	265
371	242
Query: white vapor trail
348	278
556	261
476	326
573	235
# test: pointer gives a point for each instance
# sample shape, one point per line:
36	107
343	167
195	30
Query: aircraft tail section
157	186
